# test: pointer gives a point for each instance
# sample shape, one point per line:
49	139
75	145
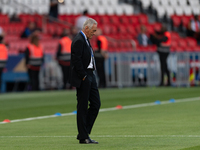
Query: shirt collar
83	34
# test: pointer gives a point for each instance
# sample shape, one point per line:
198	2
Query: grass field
168	126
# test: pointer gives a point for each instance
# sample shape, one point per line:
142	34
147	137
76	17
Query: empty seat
114	19
194	2
128	9
143	19
110	10
131	30
122	30
118	10
185	20
160	12
196	10
187	10
92	11
182	2
164	3
178	10
145	3
104	2
112	2
169	11
101	10
173	2
176	20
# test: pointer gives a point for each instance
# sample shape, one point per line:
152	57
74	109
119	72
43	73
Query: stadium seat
174	45
114	19
150	29
185	20
104	19
174	36
169	11
128	9
145	3
112	2
122	29
182	43
104	2
182	2
143	19
133	20
118	10
4	19
191	42
164	3
187	10
92	11
101	10
194	2
173	3
178	11
110	10
196	10
131	30
176	20
157	26
160	12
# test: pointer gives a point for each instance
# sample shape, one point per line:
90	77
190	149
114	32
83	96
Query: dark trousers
1	71
87	93
164	67
101	73
34	79
65	73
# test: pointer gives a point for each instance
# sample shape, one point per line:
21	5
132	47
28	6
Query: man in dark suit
143	39
82	77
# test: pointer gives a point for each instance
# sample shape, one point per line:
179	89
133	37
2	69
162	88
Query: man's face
92	31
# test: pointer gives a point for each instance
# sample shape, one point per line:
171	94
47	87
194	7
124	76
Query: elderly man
82	77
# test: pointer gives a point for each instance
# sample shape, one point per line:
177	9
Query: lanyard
87	43
90	49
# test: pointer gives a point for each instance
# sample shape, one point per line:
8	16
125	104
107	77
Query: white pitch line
111	136
108	109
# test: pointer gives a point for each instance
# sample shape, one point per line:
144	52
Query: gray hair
89	22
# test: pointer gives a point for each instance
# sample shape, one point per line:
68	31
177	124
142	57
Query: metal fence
143	69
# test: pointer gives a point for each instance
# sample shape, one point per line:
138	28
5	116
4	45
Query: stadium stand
117	20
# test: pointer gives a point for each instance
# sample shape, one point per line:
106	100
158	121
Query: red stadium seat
4	19
182	43
114	19
150	29
125	20
175	36
157	26
131	30
122	30
191	42
185	20
176	20
106	29
105	20
133	20
143	19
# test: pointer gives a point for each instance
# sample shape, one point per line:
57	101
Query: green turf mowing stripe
109	109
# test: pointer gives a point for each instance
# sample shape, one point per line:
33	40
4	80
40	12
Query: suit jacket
80	59
140	40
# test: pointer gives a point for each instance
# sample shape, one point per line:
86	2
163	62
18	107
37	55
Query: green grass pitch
173	126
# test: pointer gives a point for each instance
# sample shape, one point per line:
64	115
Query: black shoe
88	141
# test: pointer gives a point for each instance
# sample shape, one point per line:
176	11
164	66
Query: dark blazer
80	59
139	38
